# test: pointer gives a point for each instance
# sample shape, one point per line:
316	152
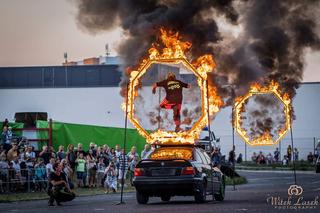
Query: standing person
92	168
5	139
118	153
40	174
239	159
49	166
232	156
80	169
30	154
92	147
216	157
66	169
276	155
132	166
132	154
133	158
71	158
111	179
289	153
123	167
61	154
13	153
5	122
80	150
58	190
45	154
295	154
52	152
269	159
310	158
173	99
146	152
261	159
112	154
100	172
254	157
105	154
118	150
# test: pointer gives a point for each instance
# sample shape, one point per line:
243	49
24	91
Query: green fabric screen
65	134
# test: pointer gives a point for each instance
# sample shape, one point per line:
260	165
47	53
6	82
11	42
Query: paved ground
251	197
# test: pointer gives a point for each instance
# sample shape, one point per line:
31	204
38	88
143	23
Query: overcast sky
38	32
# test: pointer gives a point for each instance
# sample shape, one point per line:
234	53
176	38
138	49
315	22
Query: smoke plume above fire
271	44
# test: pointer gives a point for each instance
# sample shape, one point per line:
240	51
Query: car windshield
168	153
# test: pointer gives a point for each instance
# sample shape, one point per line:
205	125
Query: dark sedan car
178	171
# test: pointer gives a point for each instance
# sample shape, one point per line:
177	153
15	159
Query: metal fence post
280	151
8	184
28	179
314	145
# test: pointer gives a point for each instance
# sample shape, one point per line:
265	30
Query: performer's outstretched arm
158	84
185	85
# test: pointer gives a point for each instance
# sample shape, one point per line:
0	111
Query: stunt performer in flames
173	99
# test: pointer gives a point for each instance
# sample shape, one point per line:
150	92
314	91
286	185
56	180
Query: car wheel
141	198
165	198
201	195
220	196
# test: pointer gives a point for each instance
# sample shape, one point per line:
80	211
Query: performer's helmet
171	75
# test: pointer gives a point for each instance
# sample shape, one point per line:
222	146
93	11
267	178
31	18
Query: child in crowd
81	166
111	180
100	172
40	175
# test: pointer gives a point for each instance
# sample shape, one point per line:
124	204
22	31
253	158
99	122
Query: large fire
239	107
173	53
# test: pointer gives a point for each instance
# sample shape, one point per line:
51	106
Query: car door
206	168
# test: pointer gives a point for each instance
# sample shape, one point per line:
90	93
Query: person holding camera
46	154
59	189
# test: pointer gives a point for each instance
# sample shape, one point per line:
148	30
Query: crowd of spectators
291	155
269	159
23	168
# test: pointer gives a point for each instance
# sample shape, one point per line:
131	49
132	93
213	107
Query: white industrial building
90	95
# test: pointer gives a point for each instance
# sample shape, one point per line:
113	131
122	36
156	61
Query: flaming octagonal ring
266	138
165	137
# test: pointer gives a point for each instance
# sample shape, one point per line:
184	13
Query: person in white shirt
49	166
146	152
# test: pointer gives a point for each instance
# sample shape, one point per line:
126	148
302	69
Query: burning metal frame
265	139
173	54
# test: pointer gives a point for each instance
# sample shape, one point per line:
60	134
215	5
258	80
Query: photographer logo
295	200
295	190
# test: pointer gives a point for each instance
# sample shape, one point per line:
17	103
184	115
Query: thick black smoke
141	20
272	44
263	113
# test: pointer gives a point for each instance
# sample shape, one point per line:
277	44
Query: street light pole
293	157
233	150
124	147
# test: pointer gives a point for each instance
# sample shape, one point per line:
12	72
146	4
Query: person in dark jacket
59	189
173	99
